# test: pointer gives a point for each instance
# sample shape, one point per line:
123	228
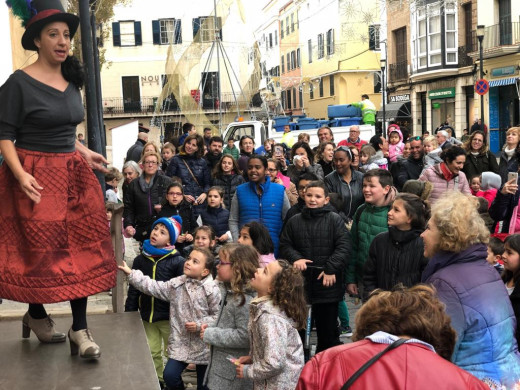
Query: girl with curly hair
476	300
276	353
228	335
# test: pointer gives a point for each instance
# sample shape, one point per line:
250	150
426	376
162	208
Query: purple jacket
480	311
434	175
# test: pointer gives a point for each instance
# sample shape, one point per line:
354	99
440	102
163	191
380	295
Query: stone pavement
102	304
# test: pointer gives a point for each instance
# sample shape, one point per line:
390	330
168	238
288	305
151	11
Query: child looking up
228	336
256	235
495	251
276	352
319	238
160	261
396	256
511	274
194	300
177	205
216	216
370	219
395	143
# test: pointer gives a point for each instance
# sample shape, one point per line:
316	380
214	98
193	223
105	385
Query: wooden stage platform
125	361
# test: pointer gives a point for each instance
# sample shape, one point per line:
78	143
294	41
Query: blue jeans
172	374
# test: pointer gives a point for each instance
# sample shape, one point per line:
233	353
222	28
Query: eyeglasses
272	169
175	193
416	138
150	163
477	140
224	262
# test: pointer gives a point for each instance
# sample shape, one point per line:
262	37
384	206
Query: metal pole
217	38
480	39
384	100
97	73
93	131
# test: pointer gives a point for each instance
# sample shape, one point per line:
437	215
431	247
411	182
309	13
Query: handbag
191	172
374	359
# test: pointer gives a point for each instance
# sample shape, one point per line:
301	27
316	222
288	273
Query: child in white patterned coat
194	300
276	353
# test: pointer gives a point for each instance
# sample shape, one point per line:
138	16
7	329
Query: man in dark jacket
134	152
412	167
214	152
318	243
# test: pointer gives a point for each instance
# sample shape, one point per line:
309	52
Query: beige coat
190	300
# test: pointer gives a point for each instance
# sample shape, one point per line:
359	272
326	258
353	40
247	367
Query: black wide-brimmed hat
44	12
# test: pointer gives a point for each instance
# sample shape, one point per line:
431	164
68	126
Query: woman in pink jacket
447	175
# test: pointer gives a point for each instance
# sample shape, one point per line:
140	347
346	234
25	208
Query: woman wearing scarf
447	175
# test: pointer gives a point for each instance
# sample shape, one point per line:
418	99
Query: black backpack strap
375	358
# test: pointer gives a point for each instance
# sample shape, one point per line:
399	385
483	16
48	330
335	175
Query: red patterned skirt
59	249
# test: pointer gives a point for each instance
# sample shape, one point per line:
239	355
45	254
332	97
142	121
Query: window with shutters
205	30
127	33
373	37
321	46
331	85
330	42
167	31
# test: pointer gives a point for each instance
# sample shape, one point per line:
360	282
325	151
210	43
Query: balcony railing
398	71
501	34
147	105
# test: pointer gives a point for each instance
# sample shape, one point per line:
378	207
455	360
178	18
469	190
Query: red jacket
409	366
358	144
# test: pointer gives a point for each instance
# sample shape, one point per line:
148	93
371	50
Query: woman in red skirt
54	240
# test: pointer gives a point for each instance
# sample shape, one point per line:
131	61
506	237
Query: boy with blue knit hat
160	261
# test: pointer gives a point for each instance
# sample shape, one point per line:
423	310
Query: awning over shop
502	82
395	110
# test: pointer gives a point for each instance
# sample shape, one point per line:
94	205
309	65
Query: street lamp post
383	89
480	36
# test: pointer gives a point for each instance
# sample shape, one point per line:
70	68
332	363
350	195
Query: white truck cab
260	132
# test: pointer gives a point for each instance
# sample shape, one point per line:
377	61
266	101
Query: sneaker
345	331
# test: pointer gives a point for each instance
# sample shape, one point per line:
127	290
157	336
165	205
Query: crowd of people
361	217
238	245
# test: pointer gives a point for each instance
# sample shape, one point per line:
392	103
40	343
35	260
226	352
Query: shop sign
505	71
400	98
441	93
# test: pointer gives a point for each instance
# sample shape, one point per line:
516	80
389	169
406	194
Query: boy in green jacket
370	219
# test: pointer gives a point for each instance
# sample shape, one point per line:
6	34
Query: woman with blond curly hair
477	302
